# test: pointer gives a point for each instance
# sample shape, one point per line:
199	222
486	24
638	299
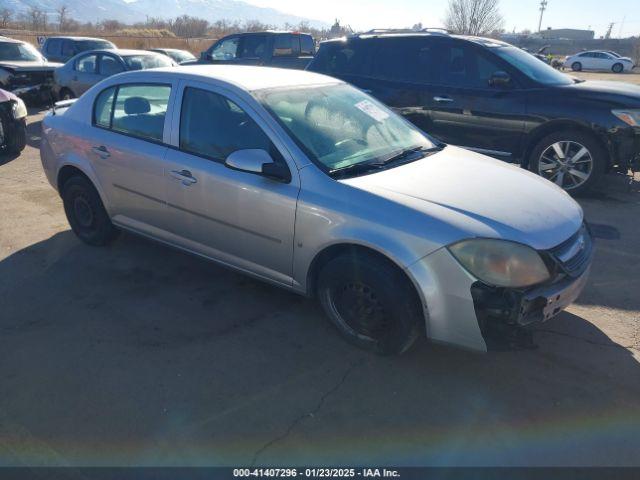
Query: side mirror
500	79
258	162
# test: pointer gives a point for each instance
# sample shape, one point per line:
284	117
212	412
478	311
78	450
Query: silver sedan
86	69
303	181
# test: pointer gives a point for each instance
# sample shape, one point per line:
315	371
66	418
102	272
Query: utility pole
608	34
543	7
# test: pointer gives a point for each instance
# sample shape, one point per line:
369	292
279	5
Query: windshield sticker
372	110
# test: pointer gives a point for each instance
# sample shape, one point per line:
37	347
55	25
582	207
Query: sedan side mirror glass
259	162
500	79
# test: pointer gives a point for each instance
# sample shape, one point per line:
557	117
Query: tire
576	66
592	162
617	68
371	303
86	213
66	94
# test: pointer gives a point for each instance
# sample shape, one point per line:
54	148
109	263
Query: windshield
339	126
143	62
180	55
19	52
532	67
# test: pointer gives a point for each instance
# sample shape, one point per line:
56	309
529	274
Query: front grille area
573	255
28	79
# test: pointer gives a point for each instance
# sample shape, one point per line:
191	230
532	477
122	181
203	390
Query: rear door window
87	64
253	46
68	48
404	59
213	126
136	110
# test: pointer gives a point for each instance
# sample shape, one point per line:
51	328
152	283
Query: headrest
136	105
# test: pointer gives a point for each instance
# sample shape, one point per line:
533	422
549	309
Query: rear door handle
101	151
184	176
443	99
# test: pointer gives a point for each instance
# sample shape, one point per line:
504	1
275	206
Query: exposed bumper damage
465	312
33	86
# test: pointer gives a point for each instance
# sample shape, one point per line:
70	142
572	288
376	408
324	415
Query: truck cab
273	49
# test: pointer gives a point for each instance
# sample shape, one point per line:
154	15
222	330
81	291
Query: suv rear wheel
66	94
86	213
573	160
371	302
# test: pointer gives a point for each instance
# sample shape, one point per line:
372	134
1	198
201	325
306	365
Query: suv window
283	46
407	59
87	64
253	46
68	48
342	58
110	65
226	50
138	110
214	127
464	66
307	46
54	46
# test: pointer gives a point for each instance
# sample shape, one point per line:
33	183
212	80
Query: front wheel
573	160
371	303
66	94
617	68
576	67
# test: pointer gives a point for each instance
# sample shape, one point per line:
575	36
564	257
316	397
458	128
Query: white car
598	60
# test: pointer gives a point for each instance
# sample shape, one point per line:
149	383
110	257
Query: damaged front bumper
461	310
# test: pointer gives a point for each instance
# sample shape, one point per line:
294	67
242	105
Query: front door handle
443	99
101	151
184	176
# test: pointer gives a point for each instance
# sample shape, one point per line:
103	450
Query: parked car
273	49
24	71
88	68
13	125
496	99
306	182
597	60
61	49
178	56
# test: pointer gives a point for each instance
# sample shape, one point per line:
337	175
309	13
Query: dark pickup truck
271	49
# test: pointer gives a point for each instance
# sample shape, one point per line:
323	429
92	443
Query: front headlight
501	263
630	117
19	109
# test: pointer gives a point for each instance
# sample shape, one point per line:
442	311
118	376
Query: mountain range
131	11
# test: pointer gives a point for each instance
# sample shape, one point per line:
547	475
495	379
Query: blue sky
521	14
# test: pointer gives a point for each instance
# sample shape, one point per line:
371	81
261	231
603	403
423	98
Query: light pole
543	7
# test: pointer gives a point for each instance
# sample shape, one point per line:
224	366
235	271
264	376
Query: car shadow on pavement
34	134
7	157
138	354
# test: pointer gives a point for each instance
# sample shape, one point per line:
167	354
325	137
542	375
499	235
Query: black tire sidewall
598	154
394	290
619	70
102	230
64	91
576	66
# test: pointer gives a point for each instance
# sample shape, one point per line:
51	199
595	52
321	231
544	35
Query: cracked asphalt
141	355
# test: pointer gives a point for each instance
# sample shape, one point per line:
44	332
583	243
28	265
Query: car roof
486	42
245	77
80	39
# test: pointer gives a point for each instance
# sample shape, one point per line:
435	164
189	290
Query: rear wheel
573	160
576	67
86	213
371	302
617	68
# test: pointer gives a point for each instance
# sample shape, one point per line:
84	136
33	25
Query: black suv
61	49
496	99
270	49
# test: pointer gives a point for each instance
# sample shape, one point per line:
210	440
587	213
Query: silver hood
480	197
